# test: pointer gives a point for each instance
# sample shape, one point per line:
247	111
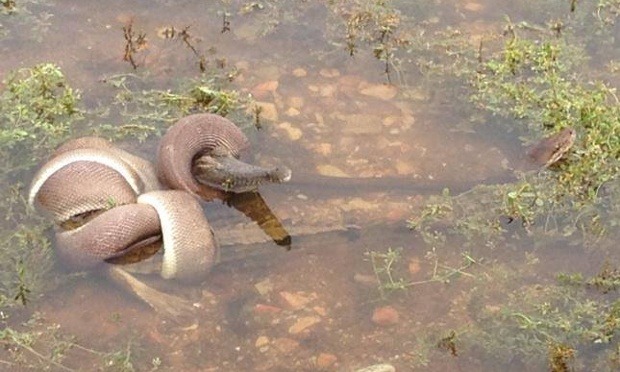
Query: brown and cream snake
107	202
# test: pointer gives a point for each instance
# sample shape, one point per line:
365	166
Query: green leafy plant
536	78
38	110
387	265
540	322
534	81
149	111
375	23
38	345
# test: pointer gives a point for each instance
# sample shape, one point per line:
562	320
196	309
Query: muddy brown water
269	309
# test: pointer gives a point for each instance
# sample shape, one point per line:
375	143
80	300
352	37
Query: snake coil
121	202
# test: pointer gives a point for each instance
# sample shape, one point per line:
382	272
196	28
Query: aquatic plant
20	13
38	110
374	24
388	269
38	344
134	43
190	42
534	81
147	112
536	322
537	79
8	6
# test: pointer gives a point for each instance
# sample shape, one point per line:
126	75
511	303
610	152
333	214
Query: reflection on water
363	150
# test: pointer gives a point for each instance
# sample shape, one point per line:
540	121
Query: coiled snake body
121	202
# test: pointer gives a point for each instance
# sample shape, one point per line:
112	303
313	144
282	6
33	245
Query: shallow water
263	307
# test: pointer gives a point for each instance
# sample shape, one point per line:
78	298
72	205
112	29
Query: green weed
374	23
537	80
20	14
537	322
388	269
39	345
148	112
607	280
38	111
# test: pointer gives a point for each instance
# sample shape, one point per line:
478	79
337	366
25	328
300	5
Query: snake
107	203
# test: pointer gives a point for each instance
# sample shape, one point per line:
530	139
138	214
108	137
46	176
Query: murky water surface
325	113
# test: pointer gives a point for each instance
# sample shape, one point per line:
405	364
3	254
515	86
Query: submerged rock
377	368
381	91
325	360
385	316
303	324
